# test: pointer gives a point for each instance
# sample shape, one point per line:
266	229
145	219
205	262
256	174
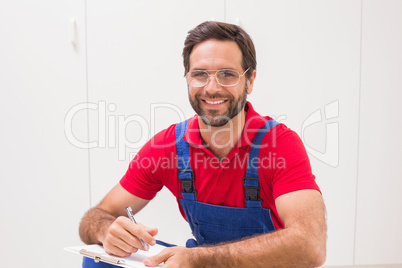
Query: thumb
157	259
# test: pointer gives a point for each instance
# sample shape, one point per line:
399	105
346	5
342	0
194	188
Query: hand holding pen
131	216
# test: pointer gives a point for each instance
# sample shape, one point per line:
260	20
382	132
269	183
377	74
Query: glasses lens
228	77
197	78
225	77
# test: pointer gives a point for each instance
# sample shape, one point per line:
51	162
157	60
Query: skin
214	55
233	98
302	242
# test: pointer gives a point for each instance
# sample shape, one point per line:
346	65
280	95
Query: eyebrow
202	69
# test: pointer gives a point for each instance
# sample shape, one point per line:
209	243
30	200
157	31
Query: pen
131	216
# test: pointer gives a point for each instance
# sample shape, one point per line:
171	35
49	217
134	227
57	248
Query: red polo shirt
283	166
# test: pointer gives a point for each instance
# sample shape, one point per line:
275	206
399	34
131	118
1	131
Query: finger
128	232
121	238
131	241
155	260
118	242
140	231
152	231
116	251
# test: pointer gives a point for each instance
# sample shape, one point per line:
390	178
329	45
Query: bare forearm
302	243
283	248
94	224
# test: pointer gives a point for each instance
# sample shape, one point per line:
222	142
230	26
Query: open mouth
214	102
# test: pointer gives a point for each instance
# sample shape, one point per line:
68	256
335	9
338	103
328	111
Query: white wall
44	179
330	70
379	213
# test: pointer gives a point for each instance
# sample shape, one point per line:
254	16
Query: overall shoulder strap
184	171
251	181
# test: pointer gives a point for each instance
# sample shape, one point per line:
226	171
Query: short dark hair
223	32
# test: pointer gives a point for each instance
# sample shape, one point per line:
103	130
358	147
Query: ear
250	82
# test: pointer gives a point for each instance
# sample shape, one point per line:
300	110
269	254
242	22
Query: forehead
214	54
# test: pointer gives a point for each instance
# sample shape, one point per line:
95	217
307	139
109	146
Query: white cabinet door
136	82
44	179
308	55
379	210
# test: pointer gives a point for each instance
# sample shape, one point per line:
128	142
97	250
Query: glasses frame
216	78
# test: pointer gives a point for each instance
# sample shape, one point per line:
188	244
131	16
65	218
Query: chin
215	121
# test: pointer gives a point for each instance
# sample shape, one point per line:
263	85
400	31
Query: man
243	181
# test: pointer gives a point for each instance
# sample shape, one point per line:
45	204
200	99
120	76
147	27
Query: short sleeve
290	166
144	176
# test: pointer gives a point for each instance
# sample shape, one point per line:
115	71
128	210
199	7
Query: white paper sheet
135	260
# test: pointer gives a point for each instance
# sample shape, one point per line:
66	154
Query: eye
199	74
227	73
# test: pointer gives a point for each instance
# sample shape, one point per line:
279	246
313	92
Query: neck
220	140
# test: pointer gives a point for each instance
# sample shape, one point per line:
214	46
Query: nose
212	85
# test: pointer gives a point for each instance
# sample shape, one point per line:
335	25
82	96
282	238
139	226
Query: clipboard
99	254
97	257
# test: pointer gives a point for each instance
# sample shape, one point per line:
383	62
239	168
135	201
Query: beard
212	117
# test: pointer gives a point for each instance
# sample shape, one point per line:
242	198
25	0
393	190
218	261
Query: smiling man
243	181
214	105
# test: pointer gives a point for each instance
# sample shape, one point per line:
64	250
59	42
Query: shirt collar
192	134
253	123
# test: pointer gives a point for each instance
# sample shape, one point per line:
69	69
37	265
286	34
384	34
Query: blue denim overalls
212	224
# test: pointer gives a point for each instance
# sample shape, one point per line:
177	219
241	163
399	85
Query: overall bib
213	224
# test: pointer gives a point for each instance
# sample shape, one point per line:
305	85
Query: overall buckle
252	191
187	183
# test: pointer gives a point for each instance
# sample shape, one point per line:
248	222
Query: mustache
212	96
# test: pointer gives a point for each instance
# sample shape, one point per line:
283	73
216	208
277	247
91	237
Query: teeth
214	102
